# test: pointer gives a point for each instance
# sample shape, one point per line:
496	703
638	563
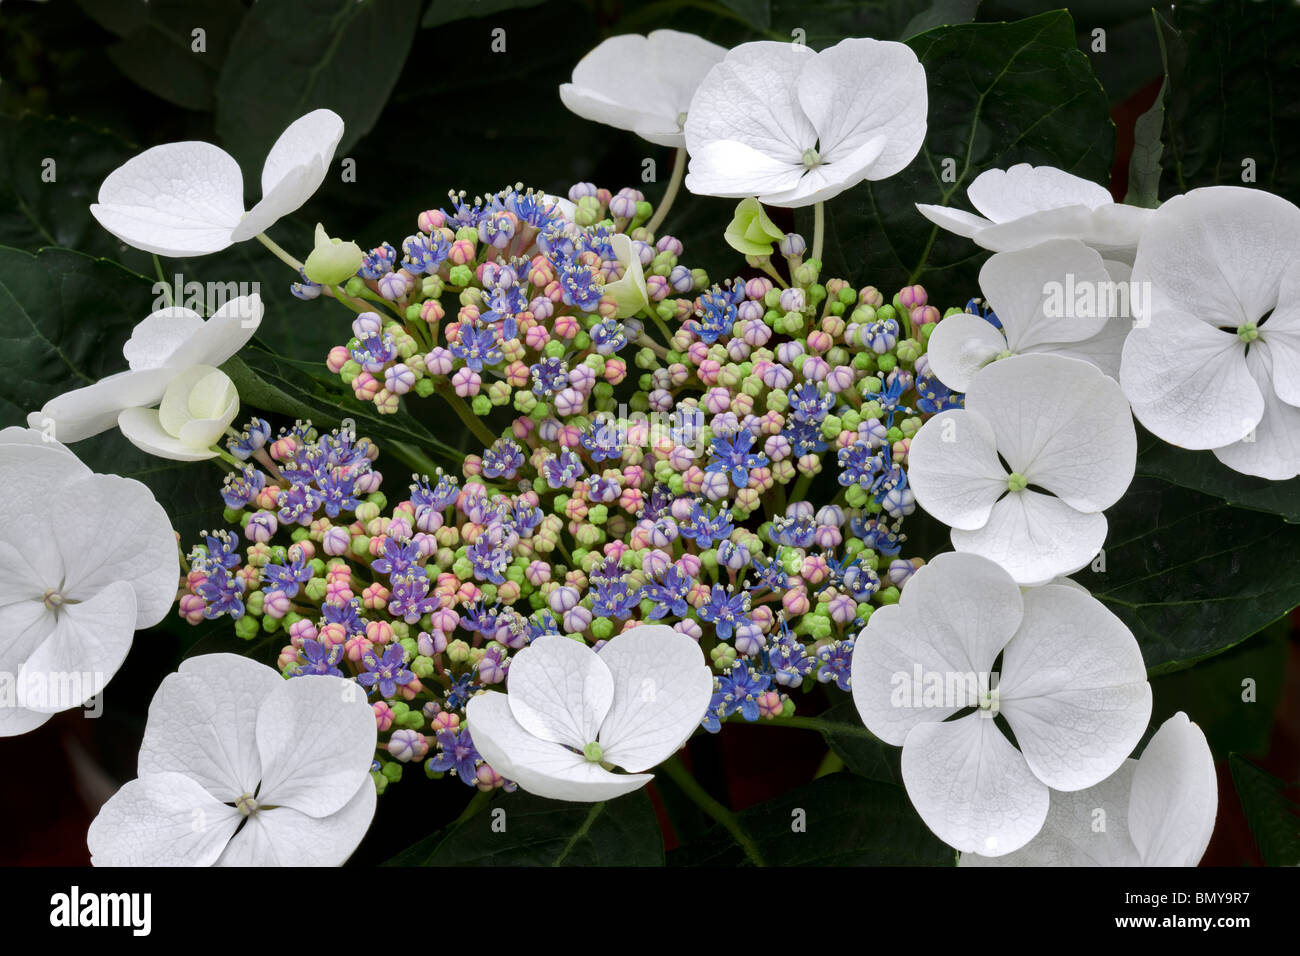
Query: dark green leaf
827	22
837	820
862	752
1190	575
293	56
520	829
449	11
1274	817
1144	164
757	13
37	212
999	94
1234	94
1201	471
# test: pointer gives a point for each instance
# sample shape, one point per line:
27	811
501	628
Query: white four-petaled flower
1072	688
85	561
240	767
168	345
1026	205
570	710
642	83
793	127
187	199
1218	365
1157	810
1035	294
1064	431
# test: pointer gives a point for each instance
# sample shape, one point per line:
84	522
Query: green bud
332	260
751	232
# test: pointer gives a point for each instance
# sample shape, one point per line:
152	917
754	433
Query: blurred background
430	105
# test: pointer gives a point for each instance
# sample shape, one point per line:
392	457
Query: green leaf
1201	471
35	211
840	819
520	829
757	13
157	50
1234	94
1190	575
64	318
999	94
1273	816
862	752
449	11
1144	164
293	56
826	22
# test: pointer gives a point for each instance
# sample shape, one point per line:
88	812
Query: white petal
143	430
1272	450
862	90
539	766
88	411
1067	222
316	736
164	819
1172	364
953	467
732	169
945	633
24	626
831	178
560	690
83	652
294	169
1035	537
157	336
680	62
960	346
18	435
222	335
1219	253
33	475
616	84
1175	796
285	837
181	199
972	787
1062	424
203	723
19	720
1281	333
662	688
752	97
1004	195
1104	349
1083	828
956	221
601	106
1033	292
134	542
1074	688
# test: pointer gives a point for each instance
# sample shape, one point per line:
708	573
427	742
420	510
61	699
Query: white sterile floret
1158	810
1065	432
85	561
240	767
1058	297
570	711
164	352
1072	688
794	127
643	84
187	199
1025	205
1218	366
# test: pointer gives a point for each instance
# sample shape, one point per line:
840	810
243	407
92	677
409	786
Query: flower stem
470	420
167	289
412	457
679	775
279	253
819	229
674	184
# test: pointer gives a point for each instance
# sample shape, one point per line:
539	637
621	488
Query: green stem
661	325
819	229
771	271
167	288
476	803
279	253
646	342
674	184
679	775
412	457
821	726
470	420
